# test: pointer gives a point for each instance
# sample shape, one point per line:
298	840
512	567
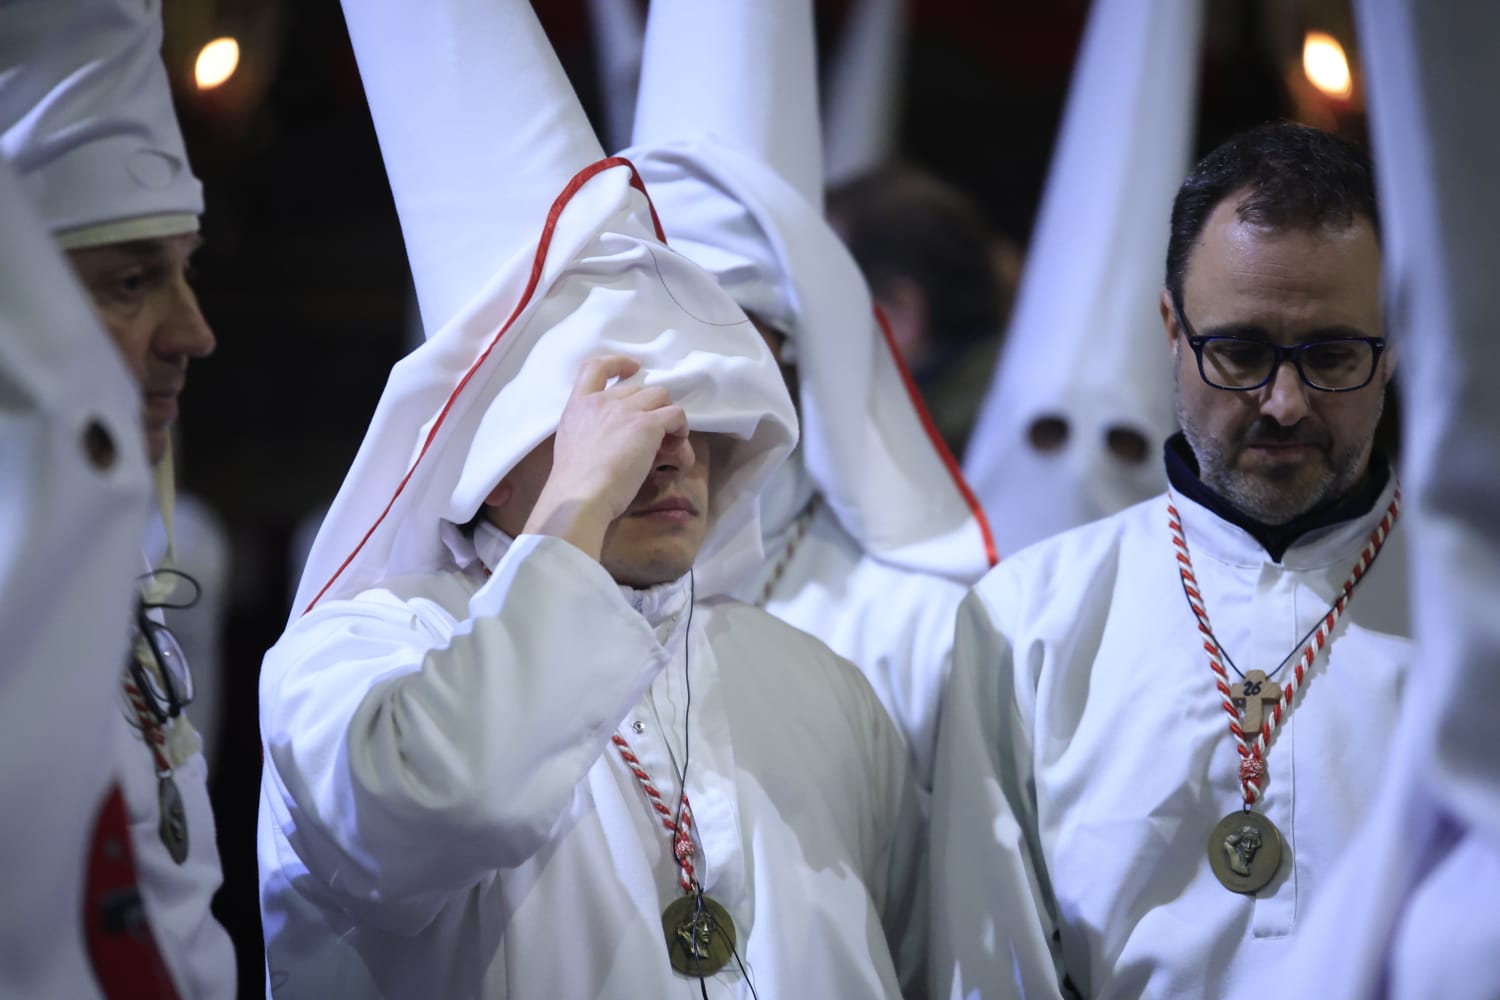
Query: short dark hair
1293	176
899	221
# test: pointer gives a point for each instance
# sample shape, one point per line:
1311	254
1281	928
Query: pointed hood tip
758	94
476	147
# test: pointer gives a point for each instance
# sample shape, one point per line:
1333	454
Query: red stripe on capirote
991	554
538	260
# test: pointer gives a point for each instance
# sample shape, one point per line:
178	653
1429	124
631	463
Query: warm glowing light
216	63
1325	64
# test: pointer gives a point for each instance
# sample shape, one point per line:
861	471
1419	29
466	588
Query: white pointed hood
591	277
86	118
479	130
619	33
862	106
727	139
1085	342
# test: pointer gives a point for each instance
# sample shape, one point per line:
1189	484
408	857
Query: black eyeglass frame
1280	354
167	698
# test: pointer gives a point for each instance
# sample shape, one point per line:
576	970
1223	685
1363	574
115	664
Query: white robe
441	799
1084	756
895	624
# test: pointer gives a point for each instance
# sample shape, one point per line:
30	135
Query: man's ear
500	495
1169	322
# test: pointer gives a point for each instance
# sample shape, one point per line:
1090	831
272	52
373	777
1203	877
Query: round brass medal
1245	851
173	826
700	935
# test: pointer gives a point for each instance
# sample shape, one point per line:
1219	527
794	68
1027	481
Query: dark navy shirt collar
1182	473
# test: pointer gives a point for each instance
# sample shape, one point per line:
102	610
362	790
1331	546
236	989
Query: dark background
304	279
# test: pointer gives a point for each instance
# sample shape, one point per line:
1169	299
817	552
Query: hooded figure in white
72	457
1411	912
871	534
1072	427
465	726
86	119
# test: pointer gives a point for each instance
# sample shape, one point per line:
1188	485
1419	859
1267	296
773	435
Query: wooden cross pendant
1254	697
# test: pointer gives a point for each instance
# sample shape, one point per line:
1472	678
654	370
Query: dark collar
1182	473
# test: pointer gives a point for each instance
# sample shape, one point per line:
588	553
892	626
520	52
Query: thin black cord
744	972
687	716
173	605
687	712
1344	594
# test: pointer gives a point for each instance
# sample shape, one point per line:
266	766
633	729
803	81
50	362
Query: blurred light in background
216	63
1325	64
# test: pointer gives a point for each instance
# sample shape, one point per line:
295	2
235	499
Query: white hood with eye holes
1085	346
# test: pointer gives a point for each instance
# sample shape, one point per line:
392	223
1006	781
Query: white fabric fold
1411	913
866	440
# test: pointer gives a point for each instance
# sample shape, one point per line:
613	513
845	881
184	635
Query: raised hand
609	439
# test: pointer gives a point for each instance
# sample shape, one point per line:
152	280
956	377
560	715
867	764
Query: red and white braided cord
1253	751
153	734
680	827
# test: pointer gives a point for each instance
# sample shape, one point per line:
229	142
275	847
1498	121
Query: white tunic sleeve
993	915
415	744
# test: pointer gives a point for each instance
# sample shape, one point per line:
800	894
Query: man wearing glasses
1164	727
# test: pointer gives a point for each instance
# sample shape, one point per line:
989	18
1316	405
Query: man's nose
1286	400
675	455
183	331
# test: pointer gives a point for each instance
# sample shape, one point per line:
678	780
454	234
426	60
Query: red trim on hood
579	180
938	443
